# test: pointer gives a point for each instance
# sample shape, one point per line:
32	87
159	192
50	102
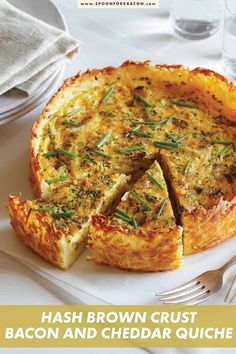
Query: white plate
33	98
38	99
46	11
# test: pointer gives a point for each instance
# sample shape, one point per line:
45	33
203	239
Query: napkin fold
31	50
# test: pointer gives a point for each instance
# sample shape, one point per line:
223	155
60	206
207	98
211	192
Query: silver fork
200	289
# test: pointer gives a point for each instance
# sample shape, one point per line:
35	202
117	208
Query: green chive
161	209
117	215
64	214
121	212
69	114
51	134
223	142
107	113
55	180
42	209
225	150
182	104
74	124
166	144
165	121
103	154
67	153
143	100
50	153
151	197
133	148
103	140
183	138
142	134
133	130
135	224
171	136
148	113
155	180
141	200
107	95
143	122
186	170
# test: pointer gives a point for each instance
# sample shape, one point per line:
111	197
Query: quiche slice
141	234
57	229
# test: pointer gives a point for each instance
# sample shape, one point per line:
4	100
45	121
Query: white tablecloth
110	37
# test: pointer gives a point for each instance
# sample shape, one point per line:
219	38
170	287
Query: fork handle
228	264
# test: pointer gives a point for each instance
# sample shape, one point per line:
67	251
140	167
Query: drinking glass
196	19
229	40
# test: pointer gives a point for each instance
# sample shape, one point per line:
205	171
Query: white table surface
110	37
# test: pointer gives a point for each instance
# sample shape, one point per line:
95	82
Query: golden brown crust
204	229
146	251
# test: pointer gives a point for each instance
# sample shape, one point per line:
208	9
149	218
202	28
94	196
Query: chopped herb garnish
133	130
42	209
143	122
50	181
171	136
182	104
155	180
107	95
225	150
186	170
148	113
124	216
142	134
141	200
161	209
103	140
133	148
50	131
223	142
50	153
143	100
67	153
69	114
183	138
150	197
110	114
166	144
164	121
103	154
70	122
63	214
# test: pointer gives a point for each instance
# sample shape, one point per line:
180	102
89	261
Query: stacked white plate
14	104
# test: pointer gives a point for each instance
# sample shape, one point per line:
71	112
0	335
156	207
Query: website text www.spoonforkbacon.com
118	4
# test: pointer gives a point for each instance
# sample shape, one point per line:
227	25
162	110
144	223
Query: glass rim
228	8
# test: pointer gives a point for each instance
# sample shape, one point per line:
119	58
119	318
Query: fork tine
181	287
230	296
181	293
202	298
183	299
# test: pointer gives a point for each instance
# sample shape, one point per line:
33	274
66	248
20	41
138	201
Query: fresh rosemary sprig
143	100
133	130
223	142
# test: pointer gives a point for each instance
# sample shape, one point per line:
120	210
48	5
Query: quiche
138	162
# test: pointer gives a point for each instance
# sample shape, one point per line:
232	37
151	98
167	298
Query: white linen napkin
31	50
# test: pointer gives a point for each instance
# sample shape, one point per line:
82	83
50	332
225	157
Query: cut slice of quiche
141	234
57	229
